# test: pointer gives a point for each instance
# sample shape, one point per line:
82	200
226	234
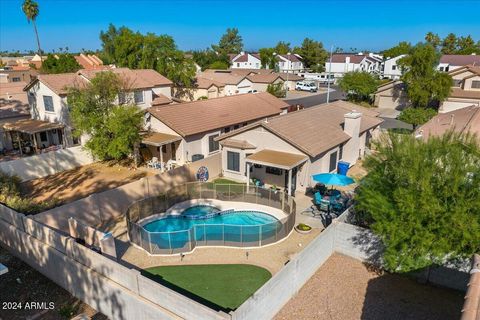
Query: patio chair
320	203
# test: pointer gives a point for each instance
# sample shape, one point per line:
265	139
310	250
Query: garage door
387	103
244	89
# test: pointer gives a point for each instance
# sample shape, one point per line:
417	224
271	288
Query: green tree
268	58
31	11
433	39
206	58
425	85
401	48
230	42
466	45
416	116
277	89
313	54
126	48
282	47
358	85
221	65
449	44
113	129
60	63
422	198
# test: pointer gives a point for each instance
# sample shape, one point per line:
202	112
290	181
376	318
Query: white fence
45	164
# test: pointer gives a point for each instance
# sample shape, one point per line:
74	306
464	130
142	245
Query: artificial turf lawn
219	286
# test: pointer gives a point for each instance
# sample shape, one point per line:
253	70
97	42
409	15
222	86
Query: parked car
306	86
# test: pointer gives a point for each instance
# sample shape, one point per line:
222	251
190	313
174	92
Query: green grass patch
226	181
219	286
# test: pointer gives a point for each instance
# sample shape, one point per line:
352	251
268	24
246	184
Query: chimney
352	148
347	59
242	53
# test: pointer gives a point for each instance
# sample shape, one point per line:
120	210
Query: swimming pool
204	223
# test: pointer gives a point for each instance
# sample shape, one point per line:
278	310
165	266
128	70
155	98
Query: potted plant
303	228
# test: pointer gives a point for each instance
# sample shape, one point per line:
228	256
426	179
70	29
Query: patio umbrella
333	179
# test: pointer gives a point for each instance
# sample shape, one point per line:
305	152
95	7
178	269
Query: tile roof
13	100
159	139
206	115
284	160
460	120
316	129
341	57
204	83
135	79
263	78
31	126
291	57
460	60
222	77
235	143
473	69
90	61
160	99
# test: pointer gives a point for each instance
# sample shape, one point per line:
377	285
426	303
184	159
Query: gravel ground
343	288
22	287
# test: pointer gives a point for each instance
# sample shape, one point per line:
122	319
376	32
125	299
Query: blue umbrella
333	179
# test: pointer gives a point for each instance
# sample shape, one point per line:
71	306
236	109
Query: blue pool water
203	223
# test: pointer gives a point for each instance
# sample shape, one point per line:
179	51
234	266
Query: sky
363	24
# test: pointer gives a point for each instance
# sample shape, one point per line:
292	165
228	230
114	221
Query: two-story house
465	90
342	63
245	60
391	69
450	62
47	96
290	63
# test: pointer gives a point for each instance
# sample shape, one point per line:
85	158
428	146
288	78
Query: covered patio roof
159	139
278	159
31	126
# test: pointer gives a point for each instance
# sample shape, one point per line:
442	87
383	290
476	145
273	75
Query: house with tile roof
465	89
47	95
186	132
348	62
449	62
13	107
460	120
245	60
287	150
290	63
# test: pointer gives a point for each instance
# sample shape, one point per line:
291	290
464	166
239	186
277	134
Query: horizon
364	26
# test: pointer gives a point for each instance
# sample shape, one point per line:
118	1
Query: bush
303	227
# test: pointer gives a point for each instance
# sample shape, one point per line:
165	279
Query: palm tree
30	8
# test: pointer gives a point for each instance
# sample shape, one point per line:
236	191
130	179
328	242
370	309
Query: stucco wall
44	164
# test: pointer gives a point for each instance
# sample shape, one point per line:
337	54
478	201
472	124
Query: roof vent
266	120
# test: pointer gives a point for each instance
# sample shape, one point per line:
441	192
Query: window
122	98
43	136
138	96
275	171
456	83
16	79
48	103
236	126
226	129
212	144
394	67
340	156
441	68
333	161
233	161
238	64
475	84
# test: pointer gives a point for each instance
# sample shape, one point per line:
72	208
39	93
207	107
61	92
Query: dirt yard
344	289
80	182
21	287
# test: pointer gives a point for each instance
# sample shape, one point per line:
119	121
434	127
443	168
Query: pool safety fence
174	242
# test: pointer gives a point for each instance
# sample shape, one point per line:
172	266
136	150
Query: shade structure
333	179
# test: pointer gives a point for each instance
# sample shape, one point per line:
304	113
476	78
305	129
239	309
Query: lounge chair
320	203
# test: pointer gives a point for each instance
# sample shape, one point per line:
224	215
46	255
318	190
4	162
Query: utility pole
286	86
328	75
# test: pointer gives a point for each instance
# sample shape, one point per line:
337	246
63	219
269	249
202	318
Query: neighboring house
391	69
13	108
391	95
349	62
287	150
245	60
17	74
47	94
90	62
465	89
202	88
290	63
232	83
260	82
461	120
449	62
185	132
